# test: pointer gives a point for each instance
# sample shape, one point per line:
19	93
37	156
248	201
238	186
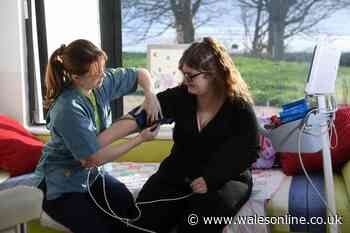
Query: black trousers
78	212
162	217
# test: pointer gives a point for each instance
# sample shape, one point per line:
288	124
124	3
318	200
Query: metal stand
327	163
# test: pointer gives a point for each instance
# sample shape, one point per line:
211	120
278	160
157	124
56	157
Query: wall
13	70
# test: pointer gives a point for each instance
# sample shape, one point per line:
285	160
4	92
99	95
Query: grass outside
272	83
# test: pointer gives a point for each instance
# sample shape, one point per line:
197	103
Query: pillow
20	151
313	161
266	154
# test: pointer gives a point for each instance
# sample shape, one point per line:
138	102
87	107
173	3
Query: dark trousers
164	216
78	212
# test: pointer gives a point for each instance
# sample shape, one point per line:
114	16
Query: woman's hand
152	107
149	133
151	103
199	185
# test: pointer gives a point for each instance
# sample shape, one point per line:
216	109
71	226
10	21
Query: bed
135	174
274	194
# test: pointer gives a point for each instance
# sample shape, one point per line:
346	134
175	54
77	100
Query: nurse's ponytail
74	59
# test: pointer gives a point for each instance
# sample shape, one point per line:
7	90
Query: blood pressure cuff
140	117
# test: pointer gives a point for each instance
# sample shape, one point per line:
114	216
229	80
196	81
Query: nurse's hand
89	162
199	185
149	133
152	107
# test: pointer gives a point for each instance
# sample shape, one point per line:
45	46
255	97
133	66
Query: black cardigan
221	151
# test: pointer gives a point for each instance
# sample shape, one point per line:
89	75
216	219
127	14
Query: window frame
36	53
30	60
111	43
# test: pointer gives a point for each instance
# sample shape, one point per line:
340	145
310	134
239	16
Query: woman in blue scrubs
78	94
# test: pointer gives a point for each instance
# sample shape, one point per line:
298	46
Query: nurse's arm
117	131
112	152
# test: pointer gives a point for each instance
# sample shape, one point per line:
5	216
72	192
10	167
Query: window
274	63
54	23
69	20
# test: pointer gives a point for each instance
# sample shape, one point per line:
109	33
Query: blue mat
304	202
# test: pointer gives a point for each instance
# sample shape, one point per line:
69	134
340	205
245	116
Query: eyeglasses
190	77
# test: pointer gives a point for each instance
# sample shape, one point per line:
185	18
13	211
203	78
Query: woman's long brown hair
74	59
211	56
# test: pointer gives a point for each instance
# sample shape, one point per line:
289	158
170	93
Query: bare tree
283	19
140	16
254	42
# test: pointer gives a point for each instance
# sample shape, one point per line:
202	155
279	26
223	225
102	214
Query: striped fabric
297	198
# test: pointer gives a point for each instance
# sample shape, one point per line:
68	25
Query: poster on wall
163	63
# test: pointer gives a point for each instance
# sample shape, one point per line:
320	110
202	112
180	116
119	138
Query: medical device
310	133
140	116
321	83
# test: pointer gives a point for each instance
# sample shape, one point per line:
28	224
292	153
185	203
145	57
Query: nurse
78	94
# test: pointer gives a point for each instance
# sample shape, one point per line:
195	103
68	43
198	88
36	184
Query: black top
221	151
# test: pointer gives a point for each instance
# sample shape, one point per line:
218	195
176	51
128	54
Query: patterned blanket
134	175
266	183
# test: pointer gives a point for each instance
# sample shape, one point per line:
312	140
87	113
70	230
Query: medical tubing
110	211
302	164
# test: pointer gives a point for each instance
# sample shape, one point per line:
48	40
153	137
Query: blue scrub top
72	125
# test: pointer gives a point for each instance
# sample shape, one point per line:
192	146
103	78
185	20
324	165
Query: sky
65	24
229	30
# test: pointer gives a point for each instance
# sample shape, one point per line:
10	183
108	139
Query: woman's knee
233	193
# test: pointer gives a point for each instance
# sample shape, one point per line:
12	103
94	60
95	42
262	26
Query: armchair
19	205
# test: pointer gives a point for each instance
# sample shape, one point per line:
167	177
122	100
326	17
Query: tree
140	16
284	19
250	15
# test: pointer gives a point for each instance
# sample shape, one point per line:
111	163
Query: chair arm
19	205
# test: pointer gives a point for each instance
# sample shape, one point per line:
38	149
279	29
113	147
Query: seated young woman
215	142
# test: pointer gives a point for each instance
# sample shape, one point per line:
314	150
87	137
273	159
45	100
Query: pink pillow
267	154
20	151
313	161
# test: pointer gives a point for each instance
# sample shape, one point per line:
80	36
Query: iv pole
321	82
327	163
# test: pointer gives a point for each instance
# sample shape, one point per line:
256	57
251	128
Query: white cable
335	135
306	173
123	220
126	220
331	125
165	200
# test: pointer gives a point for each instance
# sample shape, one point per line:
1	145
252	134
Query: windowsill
41	130
165	132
